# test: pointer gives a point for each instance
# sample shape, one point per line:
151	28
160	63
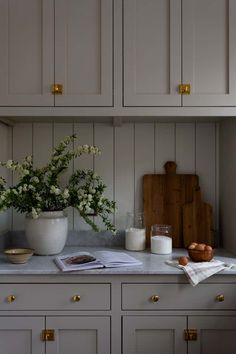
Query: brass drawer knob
75	298
220	298
155	298
11	298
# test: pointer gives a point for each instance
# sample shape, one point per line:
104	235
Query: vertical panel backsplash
128	152
5	154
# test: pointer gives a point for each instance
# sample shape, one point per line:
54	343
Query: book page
78	261
116	259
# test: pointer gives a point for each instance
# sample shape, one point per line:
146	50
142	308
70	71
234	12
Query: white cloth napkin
197	272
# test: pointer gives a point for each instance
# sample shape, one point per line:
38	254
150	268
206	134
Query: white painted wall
128	152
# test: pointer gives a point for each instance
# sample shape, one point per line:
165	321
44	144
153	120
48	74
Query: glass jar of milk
135	235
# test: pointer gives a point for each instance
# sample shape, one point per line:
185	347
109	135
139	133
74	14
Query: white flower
9	163
31	187
85	148
29	158
34	213
55	190
66	193
2	197
14	191
25	187
90	197
1	181
34	179
92	190
38	198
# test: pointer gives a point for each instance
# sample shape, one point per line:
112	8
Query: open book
99	259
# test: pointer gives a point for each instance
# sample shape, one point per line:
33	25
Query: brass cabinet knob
220	298
57	89
184	89
11	298
75	298
155	298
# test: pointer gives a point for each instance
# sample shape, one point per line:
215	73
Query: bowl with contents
19	255
200	252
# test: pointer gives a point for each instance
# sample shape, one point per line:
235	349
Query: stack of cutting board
175	199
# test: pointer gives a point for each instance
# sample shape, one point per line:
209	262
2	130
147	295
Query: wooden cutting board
163	198
197	221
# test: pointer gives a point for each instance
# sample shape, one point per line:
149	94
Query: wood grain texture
197	221
163	198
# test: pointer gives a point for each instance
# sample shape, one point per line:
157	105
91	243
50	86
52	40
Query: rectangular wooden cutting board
163	198
197	221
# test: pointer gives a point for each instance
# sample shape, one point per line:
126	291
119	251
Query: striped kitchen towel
197	272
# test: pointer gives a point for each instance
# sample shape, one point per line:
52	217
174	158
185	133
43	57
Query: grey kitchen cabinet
114	314
53	330
171	43
70	334
157	334
152	52
164	322
216	334
63	63
154	334
21	334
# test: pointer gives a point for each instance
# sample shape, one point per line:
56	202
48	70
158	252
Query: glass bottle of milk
135	235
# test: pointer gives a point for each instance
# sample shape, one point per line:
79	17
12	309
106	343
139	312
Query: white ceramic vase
48	233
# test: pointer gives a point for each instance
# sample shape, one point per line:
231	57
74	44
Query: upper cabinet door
209	52
84	52
26	54
152	52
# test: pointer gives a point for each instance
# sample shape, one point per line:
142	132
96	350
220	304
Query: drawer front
55	297
178	296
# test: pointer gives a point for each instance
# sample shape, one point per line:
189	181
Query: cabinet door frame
105	97
205	99
133	323
131	98
100	324
45	97
34	325
208	322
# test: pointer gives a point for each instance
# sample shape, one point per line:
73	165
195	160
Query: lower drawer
55	297
178	296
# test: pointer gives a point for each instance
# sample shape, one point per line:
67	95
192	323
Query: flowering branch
39	189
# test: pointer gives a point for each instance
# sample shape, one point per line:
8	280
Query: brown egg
192	246
183	260
200	247
208	248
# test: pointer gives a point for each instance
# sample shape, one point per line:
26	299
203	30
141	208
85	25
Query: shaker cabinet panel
80	32
216	334
209	52
21	335
73	335
152	52
83	52
27	54
154	335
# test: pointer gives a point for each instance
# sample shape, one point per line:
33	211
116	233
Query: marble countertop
151	263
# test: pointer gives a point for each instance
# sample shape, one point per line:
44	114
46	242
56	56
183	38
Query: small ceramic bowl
201	256
19	255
